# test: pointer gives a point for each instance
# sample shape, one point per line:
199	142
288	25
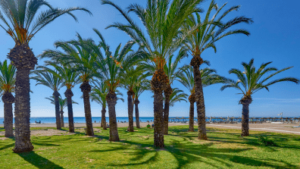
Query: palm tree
82	58
51	80
7	83
162	20
186	78
171	70
63	103
141	85
132	74
20	25
177	96
98	94
111	67
250	81
70	78
208	33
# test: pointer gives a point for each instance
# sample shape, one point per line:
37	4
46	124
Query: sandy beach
267	127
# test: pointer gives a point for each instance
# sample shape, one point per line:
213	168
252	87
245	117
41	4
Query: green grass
224	149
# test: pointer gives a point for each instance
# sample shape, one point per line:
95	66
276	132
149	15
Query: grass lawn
224	149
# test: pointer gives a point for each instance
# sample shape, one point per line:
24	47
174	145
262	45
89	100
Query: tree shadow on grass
38	161
7	146
254	140
187	153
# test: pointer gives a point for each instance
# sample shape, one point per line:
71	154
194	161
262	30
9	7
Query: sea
49	120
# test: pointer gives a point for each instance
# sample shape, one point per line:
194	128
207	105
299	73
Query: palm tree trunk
111	99
86	89
168	93
130	110
62	118
158	120
8	99
57	114
24	60
103	118
191	120
69	95
158	85
137	115
22	112
199	98
245	120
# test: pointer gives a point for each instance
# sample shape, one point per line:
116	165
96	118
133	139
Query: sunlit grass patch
223	149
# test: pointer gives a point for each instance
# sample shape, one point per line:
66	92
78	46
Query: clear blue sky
274	37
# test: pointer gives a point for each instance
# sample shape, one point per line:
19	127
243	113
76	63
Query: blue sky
274	37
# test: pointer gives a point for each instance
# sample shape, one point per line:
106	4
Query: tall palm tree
141	85
51	80
22	22
7	83
251	81
70	78
63	103
98	94
162	20
110	65
186	78
177	96
131	75
82	58
171	70
208	33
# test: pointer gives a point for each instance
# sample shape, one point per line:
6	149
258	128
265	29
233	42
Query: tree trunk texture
199	98
62	118
69	95
191	120
245	101
245	120
158	120
22	112
168	93
8	99
86	89
103	118
57	114
158	85
111	99
137	114
130	110
24	60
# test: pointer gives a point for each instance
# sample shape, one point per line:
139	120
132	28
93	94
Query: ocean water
46	120
80	119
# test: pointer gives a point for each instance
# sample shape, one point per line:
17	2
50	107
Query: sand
267	127
142	124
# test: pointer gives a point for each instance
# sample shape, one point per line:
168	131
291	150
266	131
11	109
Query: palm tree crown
22	21
62	102
211	30
48	79
208	77
177	96
111	65
65	72
7	76
158	19
251	80
99	92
